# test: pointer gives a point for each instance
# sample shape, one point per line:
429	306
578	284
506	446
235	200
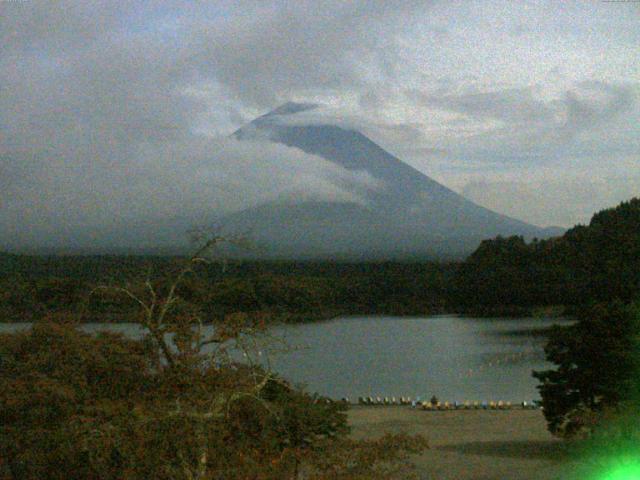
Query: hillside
407	215
589	263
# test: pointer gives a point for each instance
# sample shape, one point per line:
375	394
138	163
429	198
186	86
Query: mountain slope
410	214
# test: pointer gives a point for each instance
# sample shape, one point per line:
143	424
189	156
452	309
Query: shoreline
296	318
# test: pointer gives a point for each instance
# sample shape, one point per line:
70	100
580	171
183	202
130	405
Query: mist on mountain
404	213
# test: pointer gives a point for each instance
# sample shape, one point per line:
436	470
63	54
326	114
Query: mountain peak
406	213
272	119
290	108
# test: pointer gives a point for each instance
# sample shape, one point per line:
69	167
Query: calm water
452	357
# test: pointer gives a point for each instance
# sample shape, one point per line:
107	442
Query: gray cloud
195	182
304	47
579	196
511	126
107	110
595	103
509	105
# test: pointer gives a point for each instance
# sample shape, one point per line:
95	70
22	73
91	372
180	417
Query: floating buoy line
440	406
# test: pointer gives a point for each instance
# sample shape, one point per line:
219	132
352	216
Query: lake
455	358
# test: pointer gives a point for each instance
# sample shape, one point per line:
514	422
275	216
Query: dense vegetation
78	406
594	390
31	286
598	368
599	262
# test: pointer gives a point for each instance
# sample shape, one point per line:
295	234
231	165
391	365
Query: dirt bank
473	444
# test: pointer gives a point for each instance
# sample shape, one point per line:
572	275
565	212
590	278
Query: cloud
537	200
304	47
595	103
197	182
513	127
107	110
508	105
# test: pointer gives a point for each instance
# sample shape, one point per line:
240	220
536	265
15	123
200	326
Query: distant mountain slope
410	214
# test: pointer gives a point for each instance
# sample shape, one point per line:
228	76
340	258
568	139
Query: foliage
595	263
597	368
31	286
496	263
175	404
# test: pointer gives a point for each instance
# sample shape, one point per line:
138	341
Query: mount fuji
406	215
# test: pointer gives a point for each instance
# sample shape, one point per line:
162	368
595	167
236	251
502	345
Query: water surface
452	357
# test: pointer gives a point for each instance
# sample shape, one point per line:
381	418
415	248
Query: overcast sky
113	113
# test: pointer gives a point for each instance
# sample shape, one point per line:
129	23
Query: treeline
32	286
599	262
504	276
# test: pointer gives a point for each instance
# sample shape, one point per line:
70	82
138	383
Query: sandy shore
474	444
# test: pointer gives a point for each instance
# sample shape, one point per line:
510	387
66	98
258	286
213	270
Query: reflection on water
452	357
